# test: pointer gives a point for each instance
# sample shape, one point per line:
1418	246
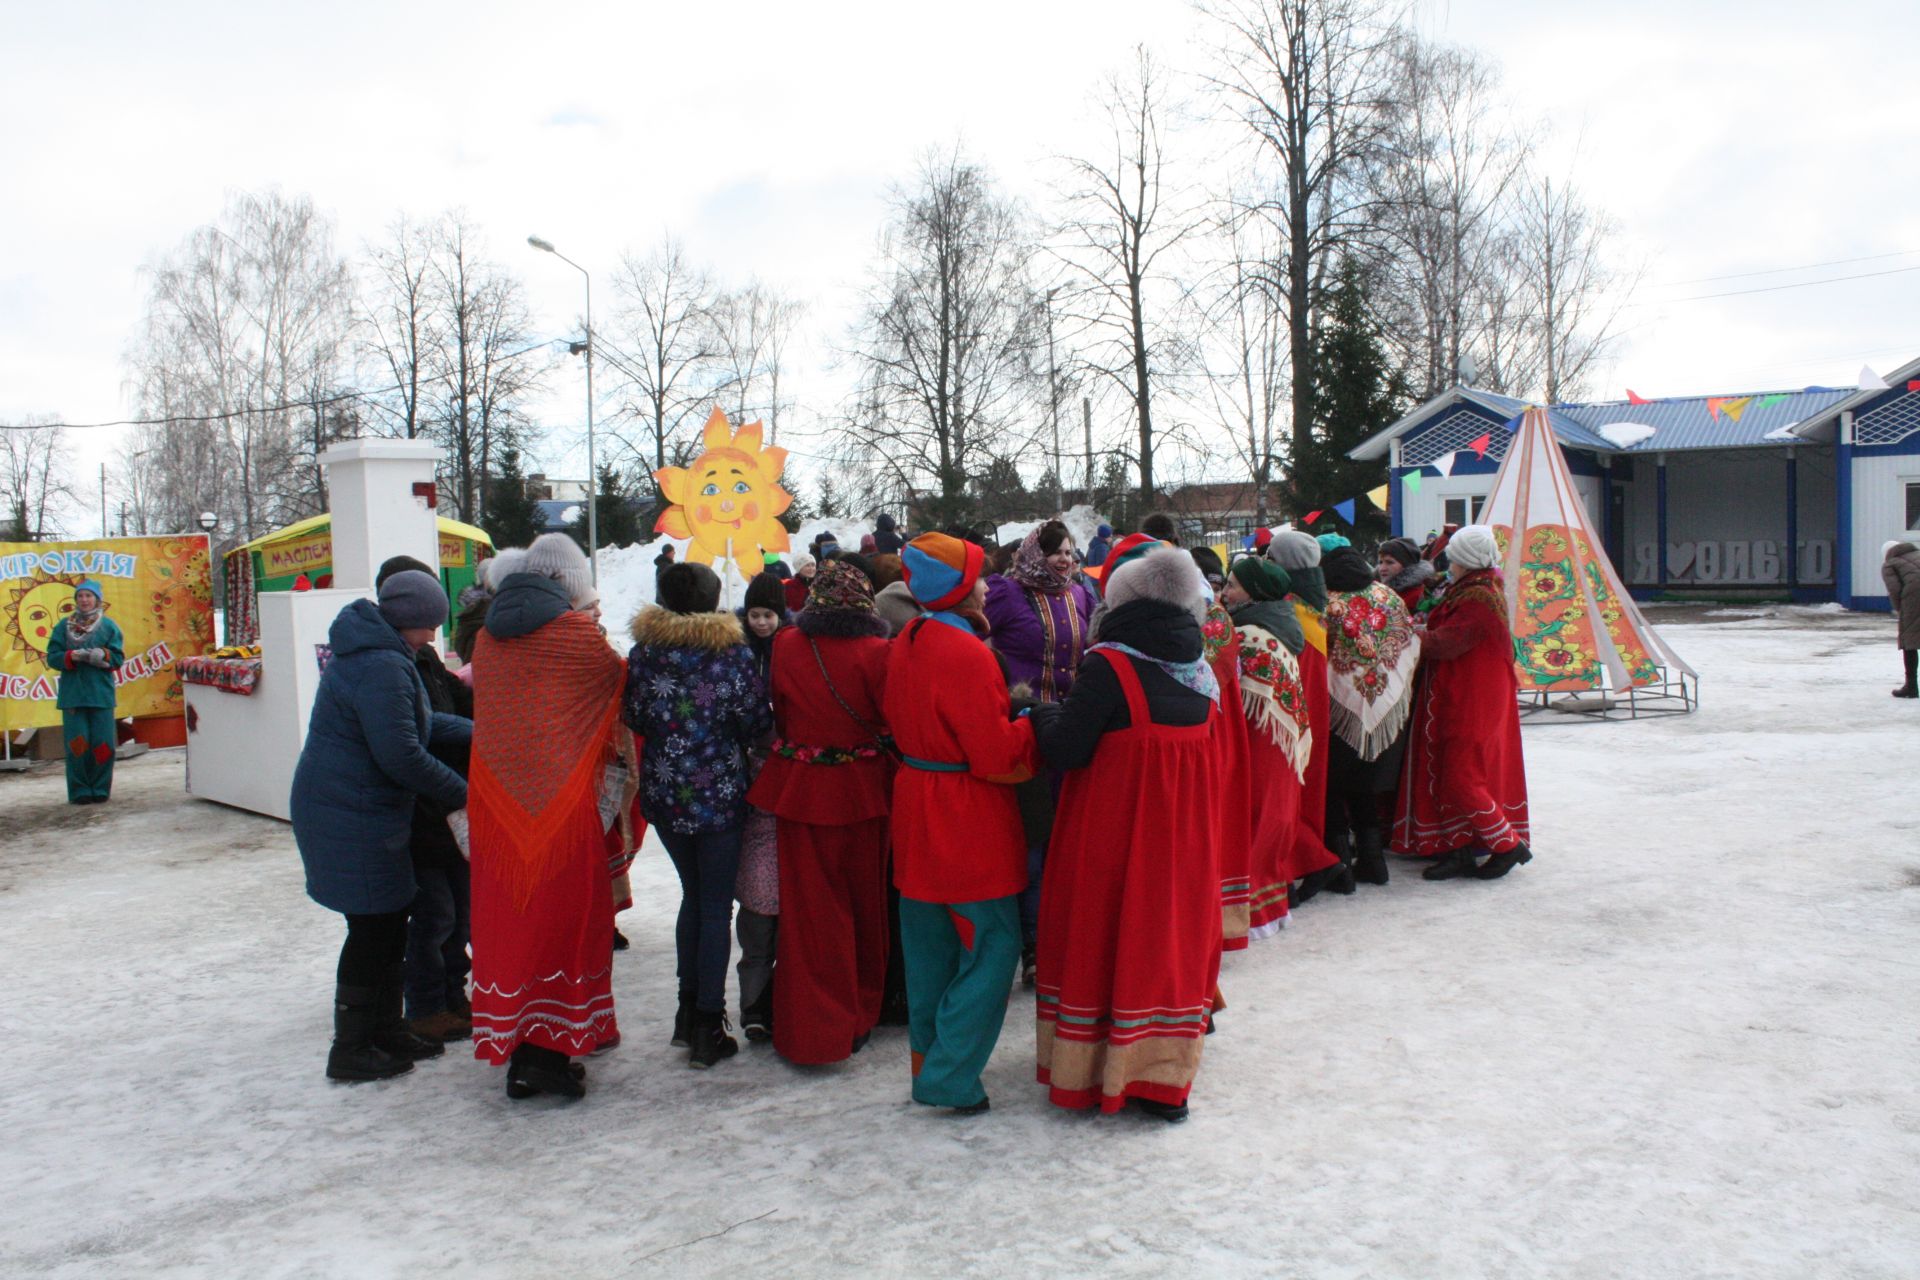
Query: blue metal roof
554	512
1688	422
1570	429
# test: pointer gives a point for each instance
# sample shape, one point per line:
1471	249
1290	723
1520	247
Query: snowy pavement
1680	1043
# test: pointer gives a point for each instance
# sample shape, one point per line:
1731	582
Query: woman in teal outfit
85	650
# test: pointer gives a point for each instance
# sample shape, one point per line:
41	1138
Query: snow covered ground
1681	1043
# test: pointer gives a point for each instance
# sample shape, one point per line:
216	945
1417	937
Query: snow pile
1081	521
1625	435
627	581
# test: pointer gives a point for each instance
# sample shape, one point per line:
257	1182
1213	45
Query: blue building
1762	492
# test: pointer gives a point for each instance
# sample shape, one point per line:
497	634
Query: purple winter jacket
1041	637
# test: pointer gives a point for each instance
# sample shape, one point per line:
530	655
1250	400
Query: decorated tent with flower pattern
1575	627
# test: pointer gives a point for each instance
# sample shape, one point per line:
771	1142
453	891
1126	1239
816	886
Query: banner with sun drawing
729	502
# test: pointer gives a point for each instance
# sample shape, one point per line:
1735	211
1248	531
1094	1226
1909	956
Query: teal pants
89	737
960	959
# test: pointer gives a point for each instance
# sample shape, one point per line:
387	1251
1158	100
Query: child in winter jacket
757	888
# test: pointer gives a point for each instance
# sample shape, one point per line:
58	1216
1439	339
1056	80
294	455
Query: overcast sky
1724	138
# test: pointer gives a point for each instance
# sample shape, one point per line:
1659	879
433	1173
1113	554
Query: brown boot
445	1025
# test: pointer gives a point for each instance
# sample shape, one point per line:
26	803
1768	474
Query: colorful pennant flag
1413	481
1775	398
1714	404
1513	423
1443	464
1913	384
1345	509
1871	381
1735	408
1634	397
1480	445
1378	497
1310	517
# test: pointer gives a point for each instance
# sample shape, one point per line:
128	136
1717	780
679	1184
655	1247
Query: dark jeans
437	936
708	863
374	948
1910	663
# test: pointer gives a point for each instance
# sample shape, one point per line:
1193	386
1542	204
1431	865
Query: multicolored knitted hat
840	585
1129	548
941	569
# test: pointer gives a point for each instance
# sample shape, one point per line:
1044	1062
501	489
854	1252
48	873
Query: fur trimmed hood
840	624
1168	575
714	631
1418	574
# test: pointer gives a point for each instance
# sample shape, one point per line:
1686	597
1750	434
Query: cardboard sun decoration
728	503
1575	628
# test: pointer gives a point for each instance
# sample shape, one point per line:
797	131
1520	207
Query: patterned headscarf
839	585
1371	654
1031	570
81	624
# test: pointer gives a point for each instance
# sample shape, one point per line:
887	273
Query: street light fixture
208	521
593	471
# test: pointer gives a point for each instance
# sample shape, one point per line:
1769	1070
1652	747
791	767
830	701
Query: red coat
1465	780
805	714
956	835
1233	803
796	589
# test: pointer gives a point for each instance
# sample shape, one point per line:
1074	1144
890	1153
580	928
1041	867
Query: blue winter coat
695	694
365	760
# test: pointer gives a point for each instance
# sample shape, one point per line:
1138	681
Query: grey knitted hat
1292	549
411	599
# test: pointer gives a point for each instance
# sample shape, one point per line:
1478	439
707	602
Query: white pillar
382	496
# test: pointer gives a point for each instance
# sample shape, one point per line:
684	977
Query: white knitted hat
557	556
1473	547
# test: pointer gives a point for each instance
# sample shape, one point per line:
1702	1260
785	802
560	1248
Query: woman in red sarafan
1232	805
546	707
1464	789
1130	919
827	782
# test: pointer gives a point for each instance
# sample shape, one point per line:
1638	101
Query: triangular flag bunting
1443	464
1634	397
1378	497
1714	404
1775	398
1871	381
1513	423
1310	517
1413	481
1913	384
1480	445
1735	408
1345	509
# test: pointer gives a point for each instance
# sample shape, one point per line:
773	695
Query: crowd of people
927	772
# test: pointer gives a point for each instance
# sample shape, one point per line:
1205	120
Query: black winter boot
1501	863
1451	866
392	1032
683	1021
1340	875
354	1056
1370	856
756	1019
534	1069
711	1043
1910	658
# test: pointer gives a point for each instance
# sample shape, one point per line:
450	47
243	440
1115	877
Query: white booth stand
241	750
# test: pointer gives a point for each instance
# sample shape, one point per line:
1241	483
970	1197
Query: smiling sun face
728	503
32	612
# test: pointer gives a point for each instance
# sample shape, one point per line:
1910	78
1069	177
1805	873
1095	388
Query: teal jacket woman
86	648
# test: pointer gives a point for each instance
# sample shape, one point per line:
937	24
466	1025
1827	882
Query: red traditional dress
1465	779
1130	918
828	785
546	708
625	835
1280	742
1310	852
1232	805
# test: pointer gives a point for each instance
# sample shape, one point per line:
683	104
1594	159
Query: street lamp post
593	473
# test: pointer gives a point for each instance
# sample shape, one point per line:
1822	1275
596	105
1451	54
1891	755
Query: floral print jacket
697	697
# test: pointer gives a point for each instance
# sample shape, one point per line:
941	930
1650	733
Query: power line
228	415
1773	288
1778	271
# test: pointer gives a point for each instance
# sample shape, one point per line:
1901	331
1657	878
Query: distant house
1763	491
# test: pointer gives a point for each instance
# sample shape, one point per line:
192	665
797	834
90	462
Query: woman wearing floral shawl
1372	652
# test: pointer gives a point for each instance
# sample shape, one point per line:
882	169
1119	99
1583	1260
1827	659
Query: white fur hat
496	569
557	556
1163	573
1473	547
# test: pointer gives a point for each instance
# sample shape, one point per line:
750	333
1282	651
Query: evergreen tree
1357	392
512	518
616	510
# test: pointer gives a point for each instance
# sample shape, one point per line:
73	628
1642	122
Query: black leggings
375	947
1911	658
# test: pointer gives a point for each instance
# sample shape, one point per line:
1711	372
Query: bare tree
1311	80
1125	219
34	479
1448	167
1572	296
400	325
668	350
948	335
753	327
240	351
1246	355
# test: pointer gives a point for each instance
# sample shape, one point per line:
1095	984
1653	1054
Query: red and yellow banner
160	591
